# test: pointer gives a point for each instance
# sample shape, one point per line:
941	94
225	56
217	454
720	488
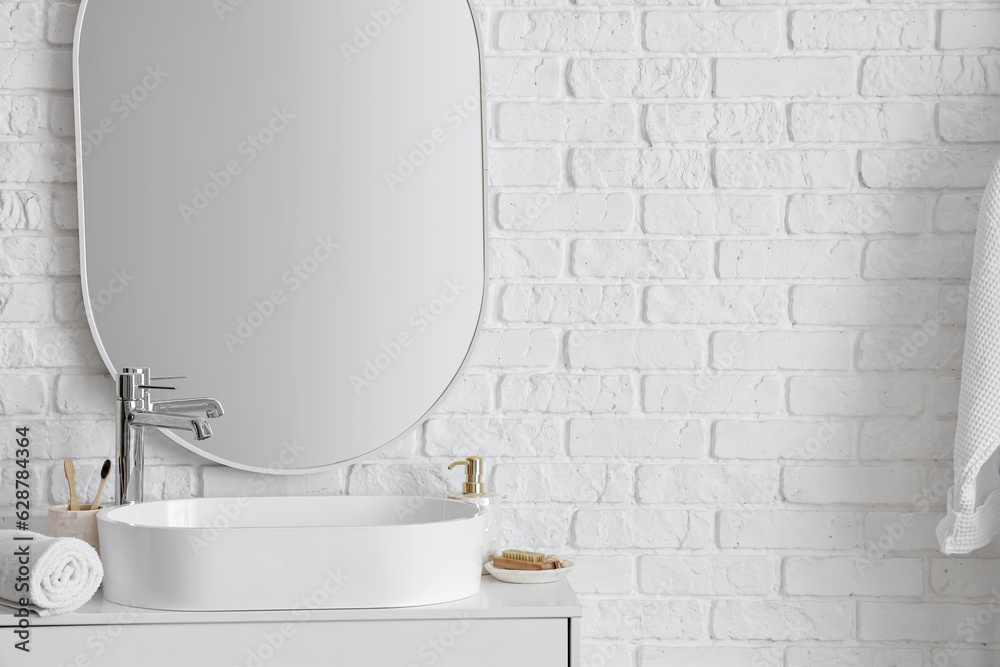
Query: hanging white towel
64	572
974	501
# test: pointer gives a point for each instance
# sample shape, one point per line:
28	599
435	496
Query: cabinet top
495	600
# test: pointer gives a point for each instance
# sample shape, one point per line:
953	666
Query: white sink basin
340	552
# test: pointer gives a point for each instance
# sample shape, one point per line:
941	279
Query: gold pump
473	474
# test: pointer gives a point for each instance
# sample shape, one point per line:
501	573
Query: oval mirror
284	202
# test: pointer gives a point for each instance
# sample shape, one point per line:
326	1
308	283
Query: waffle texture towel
64	572
974	501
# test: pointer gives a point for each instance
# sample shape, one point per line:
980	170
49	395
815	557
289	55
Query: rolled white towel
64	572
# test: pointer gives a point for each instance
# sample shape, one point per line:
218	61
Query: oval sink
319	552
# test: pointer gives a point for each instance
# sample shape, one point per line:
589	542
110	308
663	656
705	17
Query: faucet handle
172	377
150	386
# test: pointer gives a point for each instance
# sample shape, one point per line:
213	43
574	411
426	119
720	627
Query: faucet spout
197	425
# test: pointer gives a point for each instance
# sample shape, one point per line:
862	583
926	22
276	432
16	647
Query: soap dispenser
474	491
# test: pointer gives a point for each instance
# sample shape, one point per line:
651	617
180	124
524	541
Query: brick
469	393
48	348
544	212
82	394
223	482
20	115
653	619
784	529
889	533
712	32
710	215
600	258
783	169
895	440
648	78
816	485
785	77
942	257
708	575
926	168
731	394
23	394
894	76
782	350
566	393
48	70
548	527
20	22
642	529
37	163
855	396
608	575
765	440
957	213
781	620
946	395
525	258
859	305
24	302
642	438
514	347
970	29
569	304
493	437
714	123
645	349
788	259
565	31
964	577
522	77
857	214
566	122
913	350
823	656
925	622
860	30
883	123
62	22
706	484
524	167
650	168
563	482
395	478
716	304
956	657
967	122
716	656
61	119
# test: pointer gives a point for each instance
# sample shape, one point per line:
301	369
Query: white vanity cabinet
505	624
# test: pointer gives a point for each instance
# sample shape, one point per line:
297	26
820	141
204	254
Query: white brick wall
730	246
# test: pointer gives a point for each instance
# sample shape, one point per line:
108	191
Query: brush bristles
526	556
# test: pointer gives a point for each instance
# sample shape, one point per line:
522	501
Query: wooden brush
516	559
514	564
105	471
74	502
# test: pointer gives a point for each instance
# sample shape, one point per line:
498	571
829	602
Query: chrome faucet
136	411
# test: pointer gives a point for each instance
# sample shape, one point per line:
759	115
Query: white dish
529	576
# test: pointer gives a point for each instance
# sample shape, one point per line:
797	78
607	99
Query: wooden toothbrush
105	470
74	502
